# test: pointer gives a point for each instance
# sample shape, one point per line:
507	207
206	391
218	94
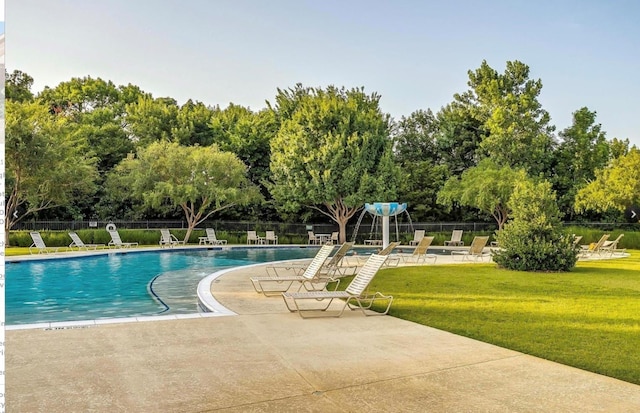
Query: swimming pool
119	285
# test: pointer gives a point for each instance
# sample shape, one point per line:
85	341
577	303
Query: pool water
121	284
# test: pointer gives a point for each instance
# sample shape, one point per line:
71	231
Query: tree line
90	149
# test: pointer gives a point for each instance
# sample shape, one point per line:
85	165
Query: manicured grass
588	318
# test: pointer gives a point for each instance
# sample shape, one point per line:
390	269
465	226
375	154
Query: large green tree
487	187
582	150
615	187
415	151
332	152
198	180
46	165
518	133
18	86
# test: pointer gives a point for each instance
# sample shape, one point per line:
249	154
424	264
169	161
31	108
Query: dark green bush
534	239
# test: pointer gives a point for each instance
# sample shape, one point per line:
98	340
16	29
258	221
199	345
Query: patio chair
78	243
211	238
116	241
272	285
456	238
167	238
335	237
270	238
39	245
417	236
313	239
354	296
252	237
476	249
419	255
587	251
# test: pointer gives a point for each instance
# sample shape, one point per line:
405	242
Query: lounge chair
611	247
336	264
456	238
270	238
271	285
354	296
78	243
476	249
167	238
587	251
417	236
386	251
39	245
252	237
117	242
419	255
211	238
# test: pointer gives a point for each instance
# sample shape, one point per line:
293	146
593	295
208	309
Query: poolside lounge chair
270	238
611	247
335	265
417	236
39	245
419	255
587	251
117	242
78	243
354	296
252	238
456	238
476	249
211	238
271	285
167	238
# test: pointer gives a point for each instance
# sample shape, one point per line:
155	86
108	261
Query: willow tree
332	153
199	180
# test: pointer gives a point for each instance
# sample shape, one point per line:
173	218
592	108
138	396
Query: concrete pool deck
267	359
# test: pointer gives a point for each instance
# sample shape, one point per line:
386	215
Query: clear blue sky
414	53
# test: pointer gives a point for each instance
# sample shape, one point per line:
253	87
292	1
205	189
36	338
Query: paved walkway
266	359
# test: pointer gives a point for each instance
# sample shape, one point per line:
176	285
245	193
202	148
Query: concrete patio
266	359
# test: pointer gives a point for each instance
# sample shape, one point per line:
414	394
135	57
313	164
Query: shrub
533	240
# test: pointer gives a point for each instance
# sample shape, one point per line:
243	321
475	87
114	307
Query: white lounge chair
354	296
476	249
611	247
587	251
39	245
271	285
78	243
417	236
116	241
211	238
419	255
167	238
456	238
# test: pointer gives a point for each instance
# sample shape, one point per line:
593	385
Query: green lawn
588	318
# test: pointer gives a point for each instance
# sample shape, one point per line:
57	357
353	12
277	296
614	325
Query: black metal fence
242	226
365	227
